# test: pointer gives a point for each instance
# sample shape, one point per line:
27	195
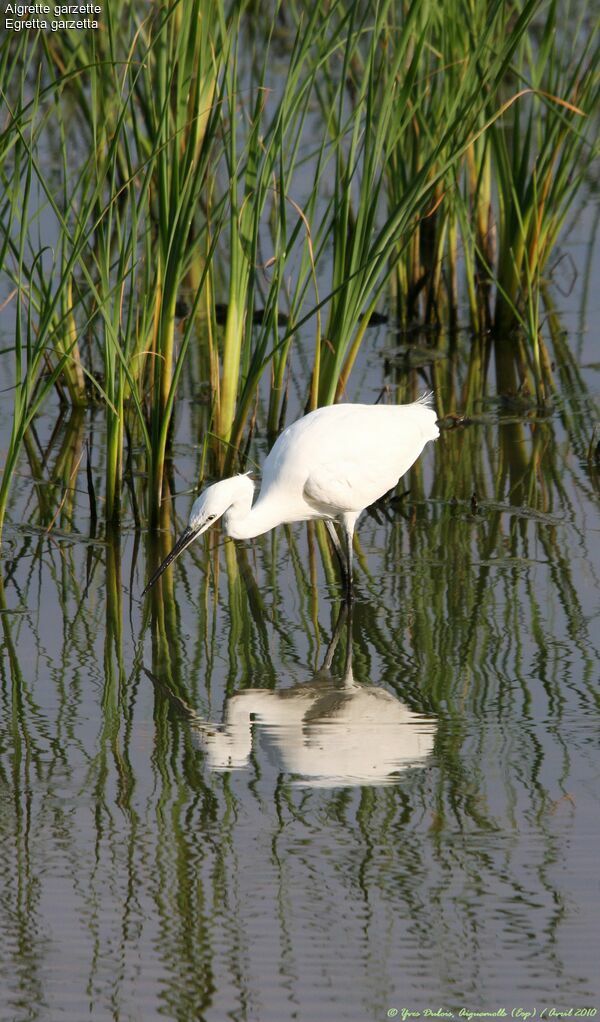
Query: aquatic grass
444	149
136	183
534	160
180	66
363	244
266	168
541	161
52	298
41	350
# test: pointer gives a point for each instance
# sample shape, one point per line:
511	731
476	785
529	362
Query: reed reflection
328	731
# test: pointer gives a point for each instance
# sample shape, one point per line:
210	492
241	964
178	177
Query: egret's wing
344	485
344	457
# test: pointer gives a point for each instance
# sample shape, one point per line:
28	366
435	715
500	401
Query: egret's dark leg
348	534
337	546
348	523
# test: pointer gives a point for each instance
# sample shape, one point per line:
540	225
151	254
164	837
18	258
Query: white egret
330	464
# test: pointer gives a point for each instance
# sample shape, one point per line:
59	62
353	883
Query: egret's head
210	505
215	500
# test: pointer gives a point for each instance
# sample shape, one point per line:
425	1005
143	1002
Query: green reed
39	279
540	161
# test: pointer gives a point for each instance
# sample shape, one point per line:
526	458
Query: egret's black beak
184	541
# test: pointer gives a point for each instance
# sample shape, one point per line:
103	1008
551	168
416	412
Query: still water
235	802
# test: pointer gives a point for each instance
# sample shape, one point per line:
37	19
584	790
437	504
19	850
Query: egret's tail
428	417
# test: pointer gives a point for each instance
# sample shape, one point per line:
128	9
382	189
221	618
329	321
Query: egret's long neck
242	521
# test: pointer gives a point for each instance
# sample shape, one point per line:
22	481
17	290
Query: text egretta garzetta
330	464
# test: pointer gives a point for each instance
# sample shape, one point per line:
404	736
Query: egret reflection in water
328	731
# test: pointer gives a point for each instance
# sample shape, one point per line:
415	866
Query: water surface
208	814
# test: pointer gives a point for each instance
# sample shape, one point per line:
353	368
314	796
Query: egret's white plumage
331	464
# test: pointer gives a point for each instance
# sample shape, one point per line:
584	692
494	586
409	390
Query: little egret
330	464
